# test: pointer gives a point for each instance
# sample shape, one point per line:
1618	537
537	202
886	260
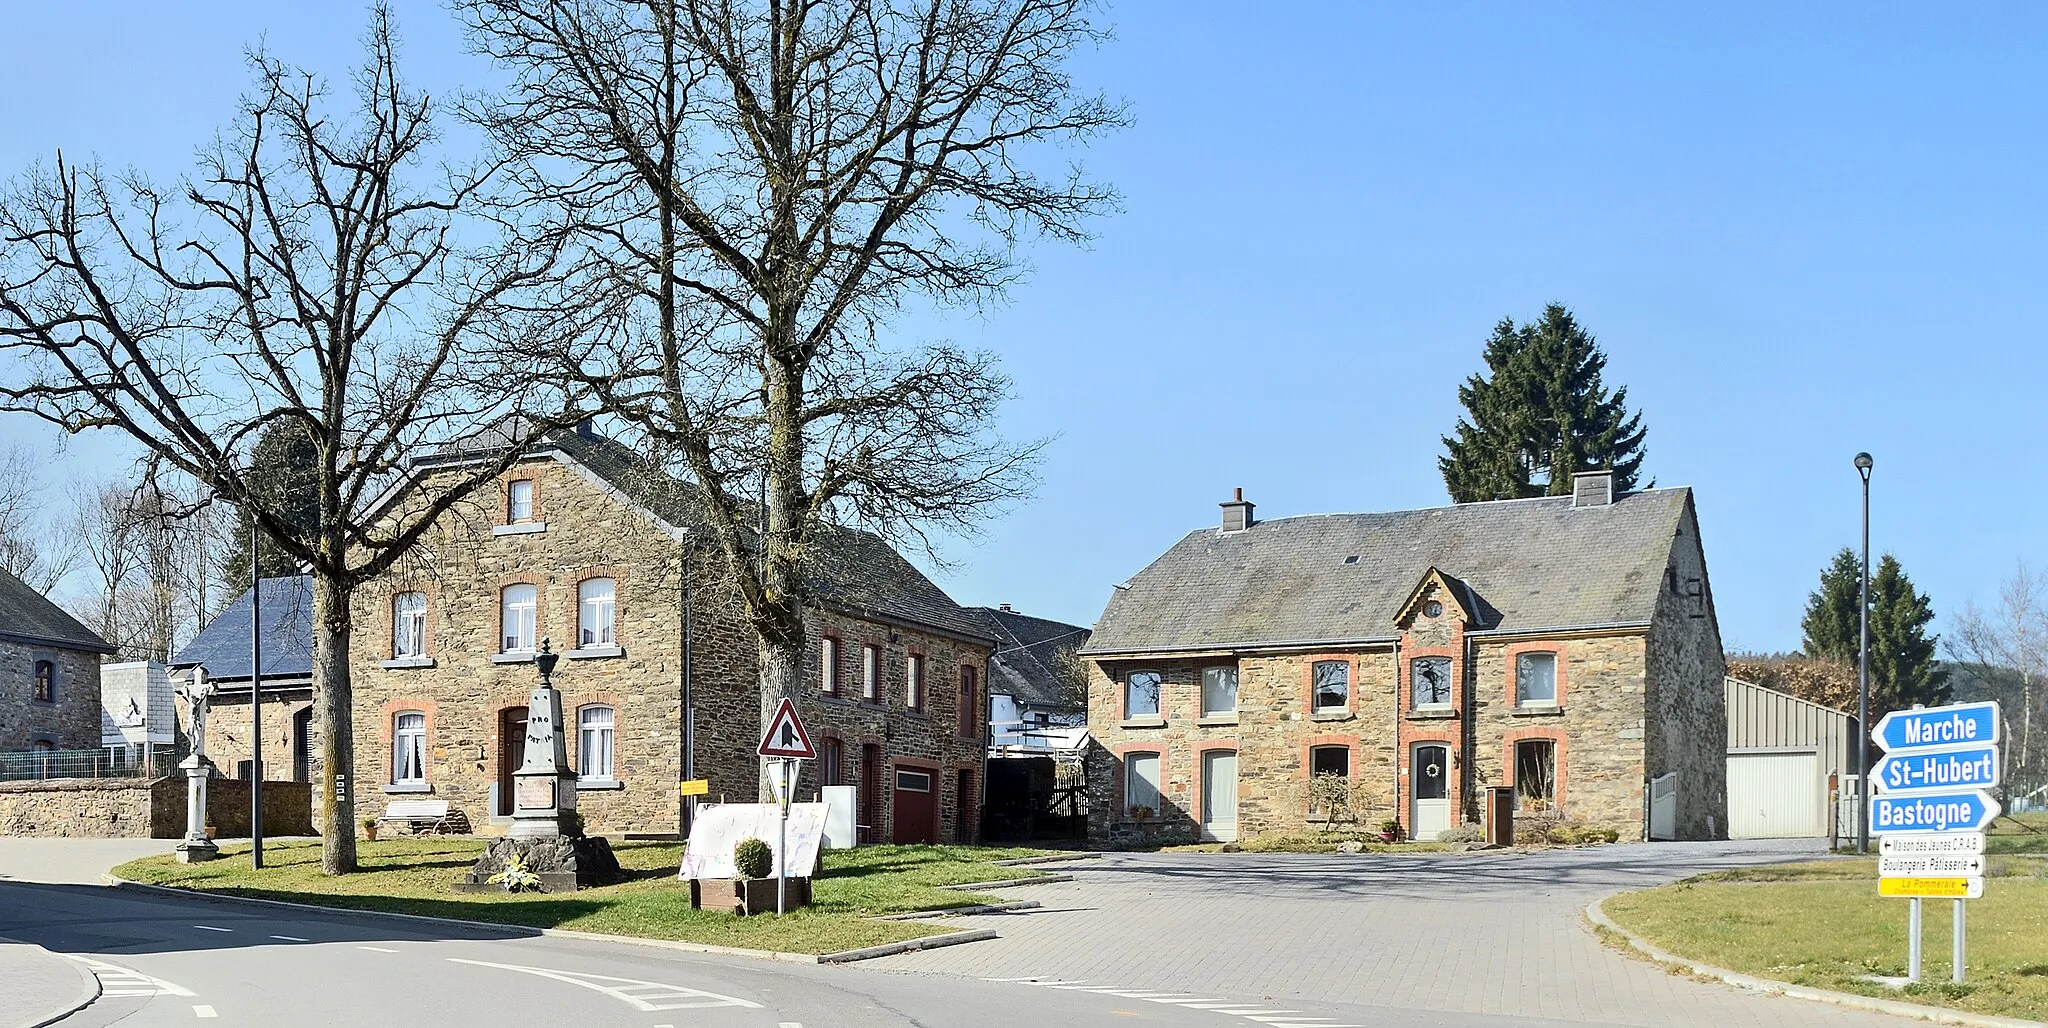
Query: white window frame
597	742
1522	697
409	747
913	686
1218	671
1315	693
1158	695
519	501
871	673
1337	747
828	665
1139	792
595	608
515	617
409	624
1450	686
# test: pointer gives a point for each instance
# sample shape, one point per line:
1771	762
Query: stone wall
464	691
287	808
1596	728
229	730
92	808
1688	707
71	720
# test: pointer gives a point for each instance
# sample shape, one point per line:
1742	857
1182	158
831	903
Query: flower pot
210	831
1389	836
370	833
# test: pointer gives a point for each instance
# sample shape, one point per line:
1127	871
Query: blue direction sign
1960	811
1959	724
1967	767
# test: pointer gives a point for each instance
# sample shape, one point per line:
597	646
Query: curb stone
1058	858
523	931
979	908
1010	883
1772	987
88	989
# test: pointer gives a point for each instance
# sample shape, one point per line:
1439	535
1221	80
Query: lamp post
255	697
1863	463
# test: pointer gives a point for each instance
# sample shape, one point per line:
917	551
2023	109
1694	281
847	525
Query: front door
917	806
302	745
511	754
1219	795
1429	776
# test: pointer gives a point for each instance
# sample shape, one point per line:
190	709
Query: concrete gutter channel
71	986
1897	1008
519	931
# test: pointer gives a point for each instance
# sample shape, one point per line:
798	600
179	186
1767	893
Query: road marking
202	1010
290	938
1259	1012
633	992
116	980
789	1024
380	949
210	928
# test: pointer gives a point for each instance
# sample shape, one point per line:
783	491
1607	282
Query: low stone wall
114	808
92	808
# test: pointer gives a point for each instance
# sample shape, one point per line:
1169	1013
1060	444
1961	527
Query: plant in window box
1390	830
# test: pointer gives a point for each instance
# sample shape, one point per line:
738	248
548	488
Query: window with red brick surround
1514	672
1125	769
1350	682
969	692
913	675
829	649
1509	771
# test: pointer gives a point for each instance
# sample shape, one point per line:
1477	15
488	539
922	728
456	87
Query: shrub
752	858
1462	833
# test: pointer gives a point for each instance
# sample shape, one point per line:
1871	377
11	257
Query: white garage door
1774	796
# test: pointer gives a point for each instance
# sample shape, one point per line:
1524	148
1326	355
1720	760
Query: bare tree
754	189
313	270
2006	649
31	548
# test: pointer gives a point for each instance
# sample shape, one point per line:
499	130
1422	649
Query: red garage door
917	806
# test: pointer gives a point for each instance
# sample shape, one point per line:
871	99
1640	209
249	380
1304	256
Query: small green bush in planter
752	858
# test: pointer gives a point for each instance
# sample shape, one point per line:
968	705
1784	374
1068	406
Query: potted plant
370	829
1390	830
752	861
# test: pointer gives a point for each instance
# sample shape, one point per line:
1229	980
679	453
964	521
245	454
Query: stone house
1277	675
1037	687
584	545
290	732
49	674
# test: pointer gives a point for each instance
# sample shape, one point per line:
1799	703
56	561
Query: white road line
380	949
290	938
789	1024
670	997
210	928
129	982
202	1010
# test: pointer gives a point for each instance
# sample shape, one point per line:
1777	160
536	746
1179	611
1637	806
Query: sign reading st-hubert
1966	767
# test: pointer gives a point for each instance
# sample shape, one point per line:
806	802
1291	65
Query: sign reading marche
1960	724
786	736
1969	767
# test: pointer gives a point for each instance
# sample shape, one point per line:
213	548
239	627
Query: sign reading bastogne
1938	761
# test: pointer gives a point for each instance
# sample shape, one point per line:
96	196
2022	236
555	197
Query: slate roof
223	645
28	616
1529	564
854	570
1031	660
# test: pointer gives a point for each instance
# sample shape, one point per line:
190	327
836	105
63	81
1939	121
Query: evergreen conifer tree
1543	415
284	470
1902	665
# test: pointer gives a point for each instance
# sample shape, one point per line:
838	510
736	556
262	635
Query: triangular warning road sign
786	736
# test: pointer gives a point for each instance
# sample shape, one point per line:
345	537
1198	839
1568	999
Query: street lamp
1863	463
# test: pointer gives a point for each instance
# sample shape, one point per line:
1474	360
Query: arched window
597	612
409	748
46	681
518	501
595	725
517	608
409	625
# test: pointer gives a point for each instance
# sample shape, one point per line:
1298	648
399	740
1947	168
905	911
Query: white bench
421	816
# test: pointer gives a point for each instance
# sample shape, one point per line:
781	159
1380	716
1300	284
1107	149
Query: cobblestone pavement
1492	933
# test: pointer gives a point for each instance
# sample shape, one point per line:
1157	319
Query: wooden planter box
747	896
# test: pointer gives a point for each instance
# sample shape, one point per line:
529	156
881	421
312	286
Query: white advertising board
1932	865
1923	845
720	827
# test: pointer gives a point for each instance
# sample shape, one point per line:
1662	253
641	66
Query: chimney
587	428
1237	514
1593	488
1005	608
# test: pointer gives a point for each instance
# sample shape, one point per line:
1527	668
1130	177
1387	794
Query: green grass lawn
2018	833
1823	924
412	876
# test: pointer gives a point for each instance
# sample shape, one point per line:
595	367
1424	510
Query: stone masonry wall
1596	726
71	721
91	808
1688	707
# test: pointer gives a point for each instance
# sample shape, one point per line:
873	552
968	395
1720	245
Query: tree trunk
334	701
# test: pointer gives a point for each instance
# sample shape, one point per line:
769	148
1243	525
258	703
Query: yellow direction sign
1932	888
695	787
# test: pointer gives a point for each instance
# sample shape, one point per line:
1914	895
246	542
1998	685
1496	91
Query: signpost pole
1913	945
782	830
1955	973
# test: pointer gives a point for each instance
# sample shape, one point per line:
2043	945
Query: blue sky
1798	230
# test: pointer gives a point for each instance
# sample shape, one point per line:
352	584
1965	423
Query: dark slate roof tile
28	616
1032	659
223	645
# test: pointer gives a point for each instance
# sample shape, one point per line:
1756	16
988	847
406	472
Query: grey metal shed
1781	752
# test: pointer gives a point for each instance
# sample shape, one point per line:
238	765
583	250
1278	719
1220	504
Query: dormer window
519	501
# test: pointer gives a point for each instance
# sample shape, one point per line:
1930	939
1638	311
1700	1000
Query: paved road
1470	941
1479	938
